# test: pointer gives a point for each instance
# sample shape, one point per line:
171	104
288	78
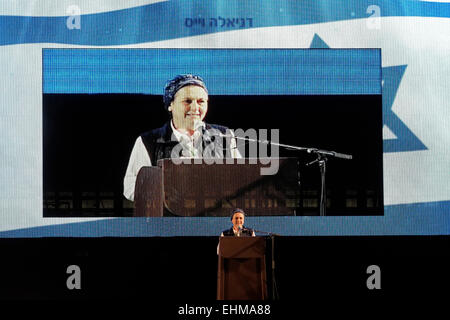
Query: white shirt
236	233
139	156
189	142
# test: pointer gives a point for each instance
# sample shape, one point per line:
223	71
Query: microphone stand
321	160
274	284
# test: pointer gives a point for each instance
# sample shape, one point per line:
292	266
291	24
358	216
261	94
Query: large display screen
366	79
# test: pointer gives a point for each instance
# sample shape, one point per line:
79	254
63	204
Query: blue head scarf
180	81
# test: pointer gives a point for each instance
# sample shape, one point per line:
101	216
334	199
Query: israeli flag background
414	38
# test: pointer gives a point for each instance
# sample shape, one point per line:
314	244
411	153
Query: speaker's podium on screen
211	190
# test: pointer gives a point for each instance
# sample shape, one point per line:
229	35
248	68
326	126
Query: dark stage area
88	141
169	271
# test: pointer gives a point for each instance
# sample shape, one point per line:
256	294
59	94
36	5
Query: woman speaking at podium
238	229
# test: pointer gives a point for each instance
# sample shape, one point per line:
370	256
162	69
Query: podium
211	190
242	269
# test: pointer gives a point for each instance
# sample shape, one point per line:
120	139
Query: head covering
236	211
180	81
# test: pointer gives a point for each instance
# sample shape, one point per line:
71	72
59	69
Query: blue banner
226	71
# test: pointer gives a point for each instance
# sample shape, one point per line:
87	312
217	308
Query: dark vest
159	144
246	232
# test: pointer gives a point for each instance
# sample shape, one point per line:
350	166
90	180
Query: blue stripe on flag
180	18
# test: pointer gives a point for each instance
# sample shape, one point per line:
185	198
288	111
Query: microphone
198	124
239	233
216	146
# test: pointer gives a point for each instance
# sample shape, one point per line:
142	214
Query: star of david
405	139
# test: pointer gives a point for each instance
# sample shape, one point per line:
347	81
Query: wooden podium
242	269
201	189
